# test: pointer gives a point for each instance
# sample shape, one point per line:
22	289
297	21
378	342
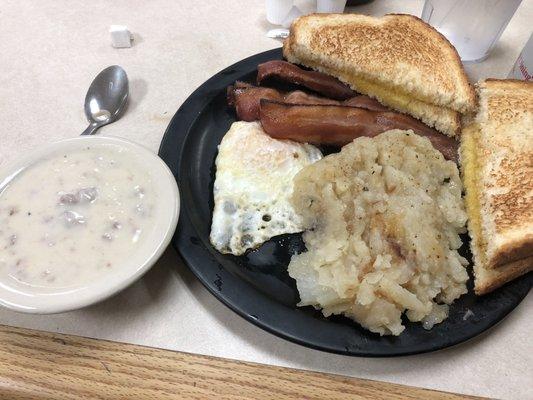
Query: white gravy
73	217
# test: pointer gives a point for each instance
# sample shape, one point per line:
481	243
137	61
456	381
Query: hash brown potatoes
386	214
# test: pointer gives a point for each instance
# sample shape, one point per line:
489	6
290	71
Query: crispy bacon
245	99
316	81
237	87
338	125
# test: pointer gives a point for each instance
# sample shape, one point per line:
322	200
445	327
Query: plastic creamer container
523	67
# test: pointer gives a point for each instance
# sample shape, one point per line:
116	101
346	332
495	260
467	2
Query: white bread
497	162
398	59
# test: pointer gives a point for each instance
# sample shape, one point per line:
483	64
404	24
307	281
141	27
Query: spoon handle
91	129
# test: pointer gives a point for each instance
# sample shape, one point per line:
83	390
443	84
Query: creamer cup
523	67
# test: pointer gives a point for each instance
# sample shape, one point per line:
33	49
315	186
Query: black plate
257	285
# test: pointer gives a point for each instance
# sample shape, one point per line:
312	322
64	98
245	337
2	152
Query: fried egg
253	185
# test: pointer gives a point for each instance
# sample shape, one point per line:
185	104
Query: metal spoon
106	98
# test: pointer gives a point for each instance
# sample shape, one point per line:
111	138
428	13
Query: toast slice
497	162
398	59
486	280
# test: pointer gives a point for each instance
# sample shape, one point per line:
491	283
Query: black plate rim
185	117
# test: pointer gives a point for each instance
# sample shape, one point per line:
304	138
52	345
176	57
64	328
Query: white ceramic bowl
151	248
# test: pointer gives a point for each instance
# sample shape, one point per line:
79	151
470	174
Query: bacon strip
338	125
245	98
238	86
316	81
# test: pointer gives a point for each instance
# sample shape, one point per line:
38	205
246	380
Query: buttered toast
497	162
398	59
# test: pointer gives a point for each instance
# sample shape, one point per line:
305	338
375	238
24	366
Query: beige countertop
50	53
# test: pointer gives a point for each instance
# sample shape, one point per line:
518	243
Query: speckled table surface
50	53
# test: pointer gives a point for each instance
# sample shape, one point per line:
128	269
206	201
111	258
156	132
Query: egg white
253	185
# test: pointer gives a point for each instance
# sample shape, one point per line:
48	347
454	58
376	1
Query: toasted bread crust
497	160
400	51
505	101
486	280
443	119
471	95
510	252
505	117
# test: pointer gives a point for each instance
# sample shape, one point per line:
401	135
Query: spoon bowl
106	98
